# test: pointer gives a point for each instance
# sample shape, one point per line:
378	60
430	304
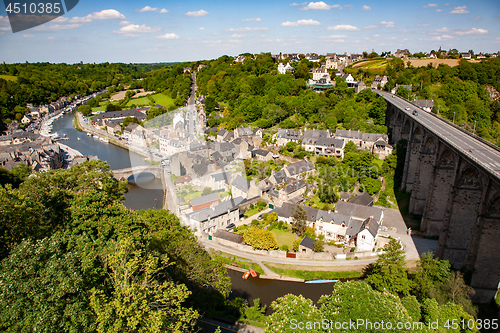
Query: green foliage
15	176
371	185
86	110
412	305
260	239
291	307
44	289
129	120
139	300
389	271
299	221
432	312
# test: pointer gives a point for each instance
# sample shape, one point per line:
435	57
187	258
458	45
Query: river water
147	193
144	192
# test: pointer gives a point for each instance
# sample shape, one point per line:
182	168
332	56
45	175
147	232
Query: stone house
262	155
306	246
204	201
286	135
209	220
295	170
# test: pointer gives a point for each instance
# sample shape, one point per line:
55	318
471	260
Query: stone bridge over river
124	174
454	180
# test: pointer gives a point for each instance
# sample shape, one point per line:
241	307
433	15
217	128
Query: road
478	151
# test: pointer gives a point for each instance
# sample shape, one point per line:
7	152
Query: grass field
8	77
371	64
286	270
160	98
229	259
284	237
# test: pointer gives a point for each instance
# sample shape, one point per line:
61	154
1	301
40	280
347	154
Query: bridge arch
447	159
430	146
406	127
470	177
417	135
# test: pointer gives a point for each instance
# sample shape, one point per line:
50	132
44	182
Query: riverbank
111	138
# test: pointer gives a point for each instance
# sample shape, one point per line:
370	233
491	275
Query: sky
166	31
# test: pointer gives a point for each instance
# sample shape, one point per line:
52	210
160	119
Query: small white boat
89	134
78	139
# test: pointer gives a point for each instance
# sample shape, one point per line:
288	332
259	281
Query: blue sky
159	31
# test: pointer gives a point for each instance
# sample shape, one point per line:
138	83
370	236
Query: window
362	236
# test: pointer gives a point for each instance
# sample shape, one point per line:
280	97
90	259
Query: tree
141	299
389	271
86	110
370	185
354	300
44	289
299	221
290	311
260	239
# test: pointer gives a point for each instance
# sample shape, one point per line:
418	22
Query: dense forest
252	93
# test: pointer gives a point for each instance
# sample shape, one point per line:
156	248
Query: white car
407	108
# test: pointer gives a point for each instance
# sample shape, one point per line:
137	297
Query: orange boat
246	275
253	273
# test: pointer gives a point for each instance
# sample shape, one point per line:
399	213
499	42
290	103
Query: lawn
160	98
8	77
228	259
253	211
284	237
286	270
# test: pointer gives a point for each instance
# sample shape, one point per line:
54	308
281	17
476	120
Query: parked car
230	227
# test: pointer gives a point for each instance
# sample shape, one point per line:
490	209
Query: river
148	194
144	192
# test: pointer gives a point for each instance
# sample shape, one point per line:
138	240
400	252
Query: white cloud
473	31
168	36
460	10
28	35
300	23
298	4
443	29
346	27
431	5
131	30
247	29
238	35
257	19
376	35
337	36
60	19
51	38
423	25
388	24
201	28
373	26
146	9
320	5
477	18
348	7
439	10
365	7
125	22
442	38
152	9
198	13
106	14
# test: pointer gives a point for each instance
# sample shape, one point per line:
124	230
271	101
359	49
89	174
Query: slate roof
354	227
222	132
330	143
308	242
244	131
299	167
363	199
423	103
229	236
289	134
201	168
241	183
221	209
316	133
358	211
120	114
280	176
348	134
205	199
222	176
260	152
295	186
371	226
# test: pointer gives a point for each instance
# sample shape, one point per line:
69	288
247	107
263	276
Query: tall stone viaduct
454	180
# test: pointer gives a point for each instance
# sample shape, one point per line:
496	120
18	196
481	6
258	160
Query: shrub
260	239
